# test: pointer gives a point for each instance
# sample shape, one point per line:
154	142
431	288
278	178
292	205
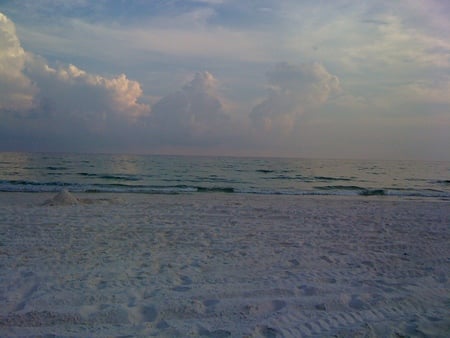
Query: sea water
158	174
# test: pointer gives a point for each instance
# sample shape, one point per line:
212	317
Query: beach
223	265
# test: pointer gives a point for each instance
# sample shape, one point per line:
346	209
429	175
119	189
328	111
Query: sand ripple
225	266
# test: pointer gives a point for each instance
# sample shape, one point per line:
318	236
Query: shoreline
37	198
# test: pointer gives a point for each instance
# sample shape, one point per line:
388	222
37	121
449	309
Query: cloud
428	92
393	61
371	43
63	108
293	90
400	46
210	2
16	89
190	32
70	107
31	87
195	114
74	92
200	42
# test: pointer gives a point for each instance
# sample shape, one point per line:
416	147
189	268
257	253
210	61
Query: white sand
224	265
64	197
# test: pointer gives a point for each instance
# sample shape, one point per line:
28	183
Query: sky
299	78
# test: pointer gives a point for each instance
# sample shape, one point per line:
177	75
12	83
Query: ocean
174	246
160	174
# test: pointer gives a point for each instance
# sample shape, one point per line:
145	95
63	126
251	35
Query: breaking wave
114	187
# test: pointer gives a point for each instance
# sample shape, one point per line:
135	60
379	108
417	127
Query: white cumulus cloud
193	114
293	90
16	89
63	96
62	107
74	92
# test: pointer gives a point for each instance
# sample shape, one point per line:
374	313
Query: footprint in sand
149	313
181	288
264	307
185	281
210	305
267	332
309	290
211	302
213	334
357	304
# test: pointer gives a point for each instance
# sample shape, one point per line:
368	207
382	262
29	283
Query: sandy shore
219	265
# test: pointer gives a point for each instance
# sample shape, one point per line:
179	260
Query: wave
352	189
443	182
299	177
284	177
373	192
216	189
123	187
29	184
118	177
87	174
339	187
327	178
55	168
110	177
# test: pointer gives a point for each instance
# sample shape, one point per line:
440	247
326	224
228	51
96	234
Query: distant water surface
40	172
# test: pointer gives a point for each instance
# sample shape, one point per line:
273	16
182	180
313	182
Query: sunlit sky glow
322	79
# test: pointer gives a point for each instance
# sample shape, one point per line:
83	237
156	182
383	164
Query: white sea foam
225	265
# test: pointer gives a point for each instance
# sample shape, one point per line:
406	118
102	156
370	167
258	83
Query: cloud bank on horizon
277	78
